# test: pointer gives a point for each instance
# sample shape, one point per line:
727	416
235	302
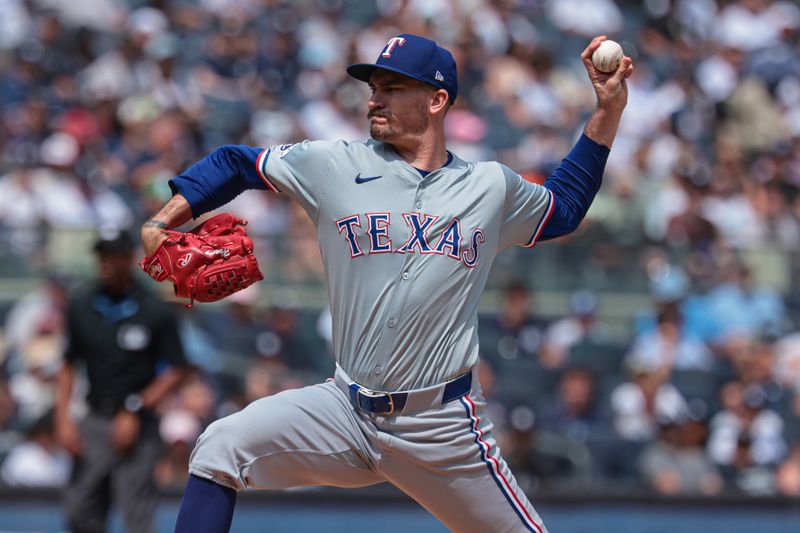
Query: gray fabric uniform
406	260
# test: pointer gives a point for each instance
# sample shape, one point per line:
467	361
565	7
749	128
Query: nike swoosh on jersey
360	180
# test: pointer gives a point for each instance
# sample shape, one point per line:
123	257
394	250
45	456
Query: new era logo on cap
415	57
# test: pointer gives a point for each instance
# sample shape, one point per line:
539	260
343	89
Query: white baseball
607	56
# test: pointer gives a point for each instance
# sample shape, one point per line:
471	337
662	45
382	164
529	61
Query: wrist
602	126
152	238
609	110
154	229
155	225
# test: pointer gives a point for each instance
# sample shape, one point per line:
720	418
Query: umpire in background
127	342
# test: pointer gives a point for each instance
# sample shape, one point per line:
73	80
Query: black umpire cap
113	240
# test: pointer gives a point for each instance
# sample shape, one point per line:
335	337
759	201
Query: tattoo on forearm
156	224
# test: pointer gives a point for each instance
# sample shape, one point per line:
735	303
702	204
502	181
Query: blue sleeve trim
218	178
575	183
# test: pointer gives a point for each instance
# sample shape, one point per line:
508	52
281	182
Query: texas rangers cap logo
394	41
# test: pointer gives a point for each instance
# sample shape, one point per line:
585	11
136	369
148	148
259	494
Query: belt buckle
372	394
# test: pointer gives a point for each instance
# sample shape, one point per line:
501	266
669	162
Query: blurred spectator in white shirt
751	24
745	413
638	405
15	24
54	195
586	17
37	461
670	345
582	324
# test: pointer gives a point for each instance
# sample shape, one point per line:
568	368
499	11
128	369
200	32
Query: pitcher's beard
383	132
416	124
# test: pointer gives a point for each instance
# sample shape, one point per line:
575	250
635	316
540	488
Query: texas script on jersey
377	225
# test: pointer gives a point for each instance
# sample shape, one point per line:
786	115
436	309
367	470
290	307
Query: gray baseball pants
442	456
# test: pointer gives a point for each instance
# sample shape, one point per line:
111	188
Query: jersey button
390	322
377	369
417	205
405	275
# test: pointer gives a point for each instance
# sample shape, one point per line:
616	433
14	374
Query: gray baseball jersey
406	257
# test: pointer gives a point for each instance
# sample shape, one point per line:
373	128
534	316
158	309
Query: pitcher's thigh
463	480
295	438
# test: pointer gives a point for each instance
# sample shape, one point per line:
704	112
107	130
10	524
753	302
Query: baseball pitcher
408	233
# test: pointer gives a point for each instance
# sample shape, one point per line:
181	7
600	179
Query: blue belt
389	403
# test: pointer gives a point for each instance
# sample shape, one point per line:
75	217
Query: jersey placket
401	289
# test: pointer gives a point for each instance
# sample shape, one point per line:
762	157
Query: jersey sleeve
526	210
574	184
299	170
218	178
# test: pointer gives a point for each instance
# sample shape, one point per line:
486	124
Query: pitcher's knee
216	455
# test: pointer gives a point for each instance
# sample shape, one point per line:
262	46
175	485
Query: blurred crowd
103	101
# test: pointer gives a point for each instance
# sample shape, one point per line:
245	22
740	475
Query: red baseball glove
212	261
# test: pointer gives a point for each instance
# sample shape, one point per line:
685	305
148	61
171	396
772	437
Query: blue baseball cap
415	57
